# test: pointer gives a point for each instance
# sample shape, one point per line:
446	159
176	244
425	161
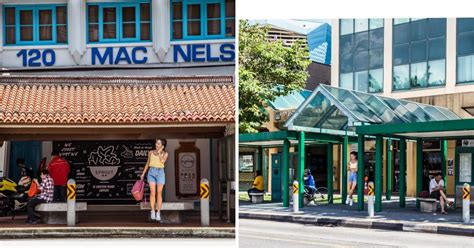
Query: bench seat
428	205
256	197
171	212
56	212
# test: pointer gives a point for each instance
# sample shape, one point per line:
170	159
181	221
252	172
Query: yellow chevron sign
71	191
466	192
204	191
370	189
295	188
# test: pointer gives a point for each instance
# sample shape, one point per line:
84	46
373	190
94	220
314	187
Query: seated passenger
257	186
437	192
46	196
309	183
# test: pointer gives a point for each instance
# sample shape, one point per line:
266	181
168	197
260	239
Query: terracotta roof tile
121	100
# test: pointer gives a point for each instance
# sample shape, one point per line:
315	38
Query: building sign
119	54
246	163
465	166
187	169
105	171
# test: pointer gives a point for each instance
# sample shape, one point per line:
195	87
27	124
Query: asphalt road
260	233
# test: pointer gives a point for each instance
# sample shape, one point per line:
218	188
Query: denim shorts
156	175
353	177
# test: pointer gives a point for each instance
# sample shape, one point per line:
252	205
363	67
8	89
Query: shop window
202	19
35	25
118	22
361	54
419	53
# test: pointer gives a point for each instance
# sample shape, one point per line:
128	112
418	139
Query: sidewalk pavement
117	225
392	217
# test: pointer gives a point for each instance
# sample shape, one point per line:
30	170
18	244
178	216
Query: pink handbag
138	190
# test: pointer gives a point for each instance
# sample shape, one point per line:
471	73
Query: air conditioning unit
467	143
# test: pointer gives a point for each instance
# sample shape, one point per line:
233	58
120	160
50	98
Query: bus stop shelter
331	115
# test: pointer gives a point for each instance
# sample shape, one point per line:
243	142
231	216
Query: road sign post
71	203
296	206
371	193
204	188
466	202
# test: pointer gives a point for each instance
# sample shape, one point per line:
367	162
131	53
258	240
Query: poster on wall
246	163
105	171
188	170
465	164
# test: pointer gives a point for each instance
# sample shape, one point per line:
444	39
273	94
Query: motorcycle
13	196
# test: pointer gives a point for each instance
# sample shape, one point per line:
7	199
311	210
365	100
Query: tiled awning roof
118	100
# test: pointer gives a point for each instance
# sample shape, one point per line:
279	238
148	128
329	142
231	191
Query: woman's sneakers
152	215
158	216
347	200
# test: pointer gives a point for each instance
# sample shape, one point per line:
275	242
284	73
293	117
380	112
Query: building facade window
35	24
361	54
465	50
118	22
419	53
202	19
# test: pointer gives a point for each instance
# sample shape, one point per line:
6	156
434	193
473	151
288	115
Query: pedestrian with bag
156	177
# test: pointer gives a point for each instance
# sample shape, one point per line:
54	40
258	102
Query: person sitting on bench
437	192
257	184
46	196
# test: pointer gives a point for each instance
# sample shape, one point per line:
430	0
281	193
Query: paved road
260	233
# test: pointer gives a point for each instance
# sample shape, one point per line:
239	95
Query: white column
387	56
450	55
335	53
161	27
76	28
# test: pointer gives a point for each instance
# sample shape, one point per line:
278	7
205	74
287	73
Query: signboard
246	163
465	165
187	170
118	54
105	171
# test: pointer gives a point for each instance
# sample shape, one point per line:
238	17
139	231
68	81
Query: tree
267	70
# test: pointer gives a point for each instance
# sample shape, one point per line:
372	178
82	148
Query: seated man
309	184
257	186
46	196
437	191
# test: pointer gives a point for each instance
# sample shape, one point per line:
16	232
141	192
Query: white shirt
433	184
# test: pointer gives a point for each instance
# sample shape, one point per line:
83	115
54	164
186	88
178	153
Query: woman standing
352	177
156	177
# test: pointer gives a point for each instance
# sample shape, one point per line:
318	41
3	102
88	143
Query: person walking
59	170
352	177
46	196
156	177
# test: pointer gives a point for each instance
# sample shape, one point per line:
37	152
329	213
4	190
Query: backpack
138	190
424	194
33	191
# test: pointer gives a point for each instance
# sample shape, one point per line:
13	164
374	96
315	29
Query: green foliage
267	69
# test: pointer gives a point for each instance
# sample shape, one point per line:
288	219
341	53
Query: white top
433	184
353	166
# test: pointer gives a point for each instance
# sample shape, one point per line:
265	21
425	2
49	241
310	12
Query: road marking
287	240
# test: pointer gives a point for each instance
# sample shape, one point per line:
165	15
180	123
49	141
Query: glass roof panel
380	108
313	112
332	108
357	107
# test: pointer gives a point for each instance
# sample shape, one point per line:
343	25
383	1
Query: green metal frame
389	170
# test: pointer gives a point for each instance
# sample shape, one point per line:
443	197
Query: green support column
403	168
301	161
260	159
389	171
378	173
444	155
360	173
330	173
286	172
419	168
345	146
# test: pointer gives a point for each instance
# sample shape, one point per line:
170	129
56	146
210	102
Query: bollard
71	202
371	193
295	197
204	202
466	203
